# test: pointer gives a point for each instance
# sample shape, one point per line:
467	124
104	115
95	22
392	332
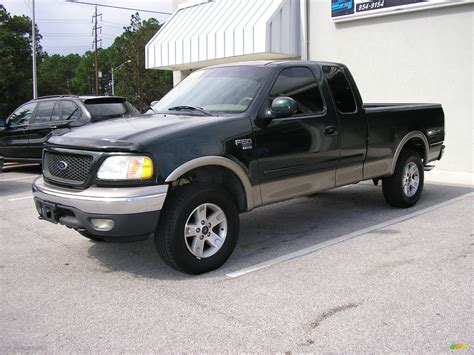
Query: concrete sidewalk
450	178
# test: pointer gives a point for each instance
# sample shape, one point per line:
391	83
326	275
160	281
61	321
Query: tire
403	189
91	237
209	244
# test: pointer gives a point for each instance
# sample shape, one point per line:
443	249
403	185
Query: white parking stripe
343	238
19	198
19	178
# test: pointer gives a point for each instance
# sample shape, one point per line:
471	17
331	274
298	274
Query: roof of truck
275	63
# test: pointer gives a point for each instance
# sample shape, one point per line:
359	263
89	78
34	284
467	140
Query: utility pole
33	35
96	41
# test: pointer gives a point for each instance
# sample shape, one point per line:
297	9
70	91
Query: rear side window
44	111
101	111
340	89
22	115
70	111
300	84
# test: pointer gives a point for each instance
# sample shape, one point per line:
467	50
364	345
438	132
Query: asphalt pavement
340	271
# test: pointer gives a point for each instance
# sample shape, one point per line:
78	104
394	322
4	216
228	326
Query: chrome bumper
104	200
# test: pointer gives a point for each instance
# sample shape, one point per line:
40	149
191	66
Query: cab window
300	84
340	89
22	115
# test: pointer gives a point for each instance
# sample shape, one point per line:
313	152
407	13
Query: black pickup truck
224	141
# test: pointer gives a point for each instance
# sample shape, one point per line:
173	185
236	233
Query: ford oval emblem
61	165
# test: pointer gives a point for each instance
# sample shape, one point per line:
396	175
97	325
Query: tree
15	61
57	73
75	74
139	85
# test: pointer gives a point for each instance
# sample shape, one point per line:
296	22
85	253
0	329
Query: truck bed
391	122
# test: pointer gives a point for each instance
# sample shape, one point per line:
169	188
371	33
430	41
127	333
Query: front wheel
198	228
404	187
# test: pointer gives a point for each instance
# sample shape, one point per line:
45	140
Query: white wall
424	56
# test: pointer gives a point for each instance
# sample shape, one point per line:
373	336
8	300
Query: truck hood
129	134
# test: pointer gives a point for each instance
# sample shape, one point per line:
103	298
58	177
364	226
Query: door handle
330	131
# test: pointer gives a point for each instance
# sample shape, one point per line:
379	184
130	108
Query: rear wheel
198	228
404	187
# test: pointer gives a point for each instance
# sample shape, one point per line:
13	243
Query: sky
66	27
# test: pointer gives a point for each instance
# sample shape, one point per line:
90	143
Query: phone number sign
346	10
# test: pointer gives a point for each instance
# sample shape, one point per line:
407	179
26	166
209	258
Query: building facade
397	50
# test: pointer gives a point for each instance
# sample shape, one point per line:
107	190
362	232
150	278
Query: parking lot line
311	249
20	198
19	178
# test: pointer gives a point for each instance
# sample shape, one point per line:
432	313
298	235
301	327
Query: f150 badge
244	143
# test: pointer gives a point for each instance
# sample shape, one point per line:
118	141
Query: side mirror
283	106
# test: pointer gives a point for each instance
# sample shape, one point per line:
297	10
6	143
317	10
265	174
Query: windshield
224	89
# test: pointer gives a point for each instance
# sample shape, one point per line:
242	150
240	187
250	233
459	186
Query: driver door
297	155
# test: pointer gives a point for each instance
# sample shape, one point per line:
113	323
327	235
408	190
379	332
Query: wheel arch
414	140
212	162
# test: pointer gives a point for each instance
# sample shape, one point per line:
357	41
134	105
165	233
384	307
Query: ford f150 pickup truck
224	141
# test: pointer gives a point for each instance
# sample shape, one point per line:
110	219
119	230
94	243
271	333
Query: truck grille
67	168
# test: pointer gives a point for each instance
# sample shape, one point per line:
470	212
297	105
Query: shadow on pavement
20	168
275	230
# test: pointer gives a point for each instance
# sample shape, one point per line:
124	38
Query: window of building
340	89
300	84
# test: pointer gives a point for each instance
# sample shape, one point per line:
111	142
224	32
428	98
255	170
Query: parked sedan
23	133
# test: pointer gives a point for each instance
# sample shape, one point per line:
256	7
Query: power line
119	7
61	21
64	34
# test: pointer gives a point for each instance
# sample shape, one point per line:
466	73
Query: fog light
101	224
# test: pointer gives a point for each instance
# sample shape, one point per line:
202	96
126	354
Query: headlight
126	168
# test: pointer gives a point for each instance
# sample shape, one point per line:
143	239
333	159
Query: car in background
23	133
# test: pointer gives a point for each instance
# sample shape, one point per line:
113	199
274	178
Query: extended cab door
14	138
352	124
297	155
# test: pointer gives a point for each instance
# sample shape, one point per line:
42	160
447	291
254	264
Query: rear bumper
132	212
436	152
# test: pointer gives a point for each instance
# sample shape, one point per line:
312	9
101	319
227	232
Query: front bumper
134	211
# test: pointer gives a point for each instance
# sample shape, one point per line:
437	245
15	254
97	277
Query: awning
202	33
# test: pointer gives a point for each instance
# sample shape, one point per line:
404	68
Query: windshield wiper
189	108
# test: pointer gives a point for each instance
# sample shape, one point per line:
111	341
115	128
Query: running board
428	167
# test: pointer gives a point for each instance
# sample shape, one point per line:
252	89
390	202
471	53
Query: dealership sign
345	10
